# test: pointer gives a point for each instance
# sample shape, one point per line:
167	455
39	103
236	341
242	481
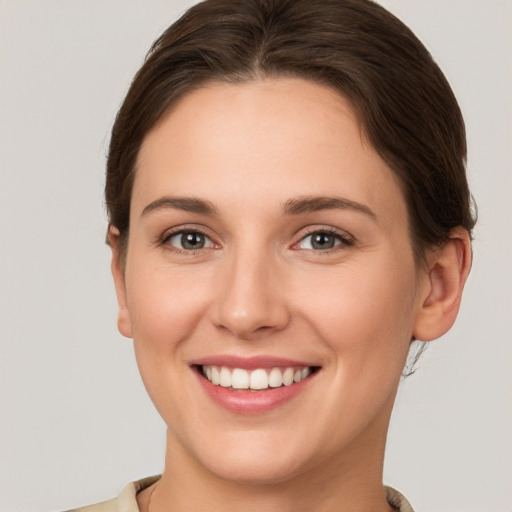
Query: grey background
76	424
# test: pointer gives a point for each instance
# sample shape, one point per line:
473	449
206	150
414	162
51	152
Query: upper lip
249	363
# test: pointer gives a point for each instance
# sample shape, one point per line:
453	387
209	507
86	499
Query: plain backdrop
76	424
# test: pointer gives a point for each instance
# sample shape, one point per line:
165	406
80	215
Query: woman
288	212
253	284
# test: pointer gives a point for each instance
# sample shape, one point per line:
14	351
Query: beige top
127	500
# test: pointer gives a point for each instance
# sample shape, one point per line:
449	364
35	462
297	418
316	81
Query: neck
348	481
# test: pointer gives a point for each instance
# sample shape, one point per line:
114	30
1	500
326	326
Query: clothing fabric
127	500
398	500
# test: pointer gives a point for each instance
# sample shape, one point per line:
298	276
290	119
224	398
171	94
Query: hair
404	103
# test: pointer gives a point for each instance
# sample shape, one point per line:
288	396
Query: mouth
257	379
253	385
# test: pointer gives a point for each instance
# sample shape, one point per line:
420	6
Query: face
269	283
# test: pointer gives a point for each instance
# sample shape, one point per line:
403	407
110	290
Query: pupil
192	240
323	241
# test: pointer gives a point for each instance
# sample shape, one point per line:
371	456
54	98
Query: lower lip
253	402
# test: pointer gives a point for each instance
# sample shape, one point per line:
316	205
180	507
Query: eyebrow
296	206
308	204
187	204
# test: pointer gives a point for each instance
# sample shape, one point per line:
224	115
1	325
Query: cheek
364	313
165	305
165	309
364	318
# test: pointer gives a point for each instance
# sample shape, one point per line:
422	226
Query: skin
259	287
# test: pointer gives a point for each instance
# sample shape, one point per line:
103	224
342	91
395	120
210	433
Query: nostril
248	332
264	328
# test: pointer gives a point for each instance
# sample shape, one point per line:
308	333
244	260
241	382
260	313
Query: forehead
265	139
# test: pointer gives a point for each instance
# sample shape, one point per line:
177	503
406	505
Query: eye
189	240
322	241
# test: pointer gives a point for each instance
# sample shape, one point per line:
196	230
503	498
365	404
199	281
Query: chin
252	458
255	469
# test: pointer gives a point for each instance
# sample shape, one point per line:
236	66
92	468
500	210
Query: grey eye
321	240
190	240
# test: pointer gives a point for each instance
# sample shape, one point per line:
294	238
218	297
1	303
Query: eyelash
166	238
344	240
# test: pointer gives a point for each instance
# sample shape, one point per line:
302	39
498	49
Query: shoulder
125	502
398	500
105	506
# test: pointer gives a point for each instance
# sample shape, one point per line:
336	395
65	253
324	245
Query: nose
250	301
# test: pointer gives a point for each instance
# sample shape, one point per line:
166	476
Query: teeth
238	378
225	378
288	376
258	379
275	378
304	373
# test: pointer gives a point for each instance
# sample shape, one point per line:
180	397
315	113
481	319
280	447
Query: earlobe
449	267
124	323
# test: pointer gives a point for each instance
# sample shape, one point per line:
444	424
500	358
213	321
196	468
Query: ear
124	323
448	269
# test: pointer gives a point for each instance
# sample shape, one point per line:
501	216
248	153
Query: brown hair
405	104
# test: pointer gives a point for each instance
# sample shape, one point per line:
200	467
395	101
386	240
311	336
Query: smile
253	385
258	379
